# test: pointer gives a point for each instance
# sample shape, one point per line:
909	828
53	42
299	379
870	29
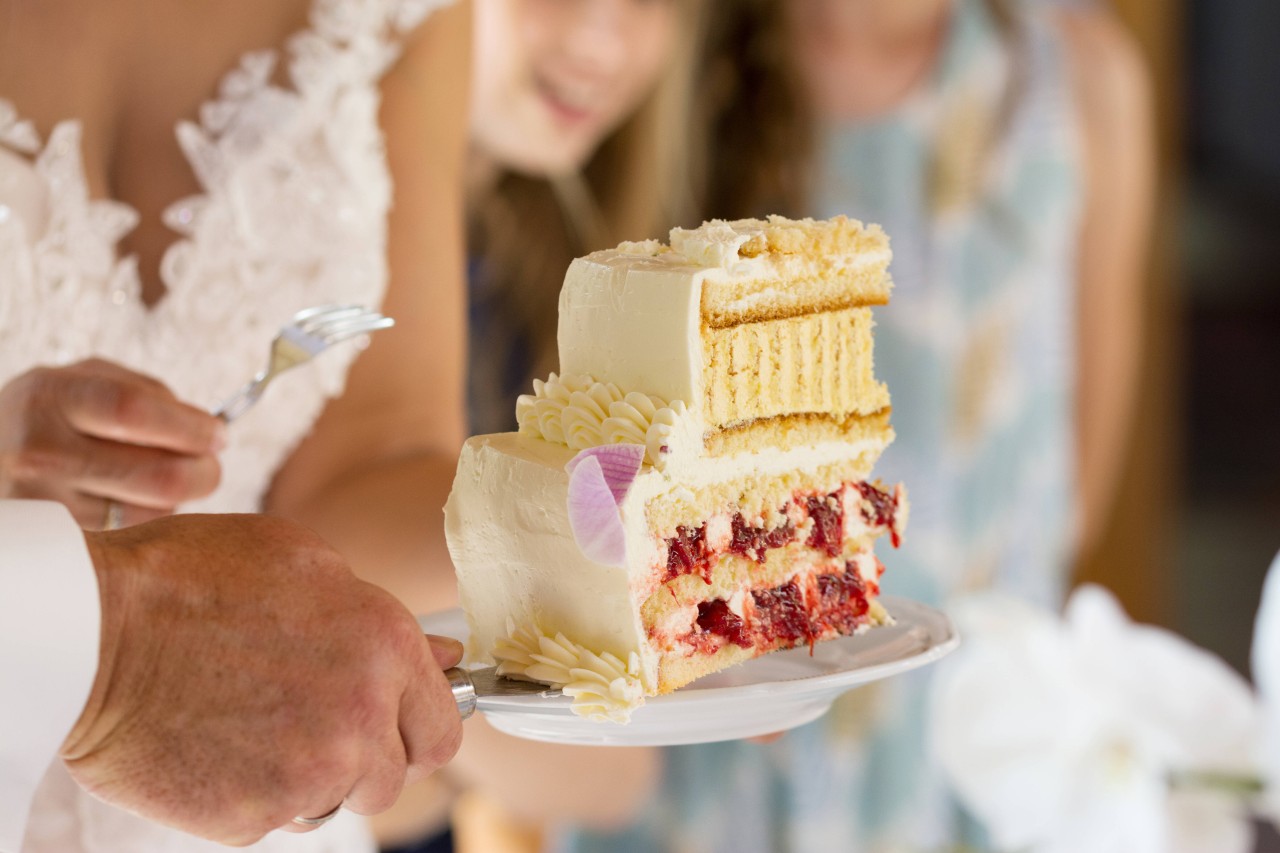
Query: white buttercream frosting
717	243
579	412
635	320
642	247
601	685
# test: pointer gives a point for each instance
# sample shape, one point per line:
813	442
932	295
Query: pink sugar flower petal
619	463
593	513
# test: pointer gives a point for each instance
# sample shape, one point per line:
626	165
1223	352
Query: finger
147	477
446	650
110	369
430	725
317	807
379	787
95	512
132	413
311	819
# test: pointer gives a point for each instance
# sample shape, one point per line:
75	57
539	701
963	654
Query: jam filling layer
688	552
787	615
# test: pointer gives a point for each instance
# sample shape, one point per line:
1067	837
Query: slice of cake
694	489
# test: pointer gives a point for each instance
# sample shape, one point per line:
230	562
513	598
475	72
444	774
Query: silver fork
309	333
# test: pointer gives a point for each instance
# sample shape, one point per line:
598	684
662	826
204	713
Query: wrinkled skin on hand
94	431
247	677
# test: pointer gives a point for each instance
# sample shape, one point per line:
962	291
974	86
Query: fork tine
360	314
364	315
373	322
349	330
335	314
317	310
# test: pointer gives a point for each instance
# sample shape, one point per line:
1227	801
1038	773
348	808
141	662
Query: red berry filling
781	614
842	599
754	541
788	615
715	617
827	534
881	508
687	552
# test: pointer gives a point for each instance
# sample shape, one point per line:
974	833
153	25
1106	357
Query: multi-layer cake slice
693	490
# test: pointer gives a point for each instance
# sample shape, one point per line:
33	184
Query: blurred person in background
1006	147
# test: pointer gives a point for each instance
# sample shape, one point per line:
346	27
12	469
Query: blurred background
1199	521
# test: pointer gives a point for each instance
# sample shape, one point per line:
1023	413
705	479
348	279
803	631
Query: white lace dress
292	212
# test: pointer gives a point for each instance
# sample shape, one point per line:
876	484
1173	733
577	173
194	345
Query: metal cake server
471	687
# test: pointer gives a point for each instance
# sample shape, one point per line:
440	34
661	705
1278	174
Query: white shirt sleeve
49	632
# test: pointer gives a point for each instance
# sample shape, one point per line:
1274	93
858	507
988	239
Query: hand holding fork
117	447
309	333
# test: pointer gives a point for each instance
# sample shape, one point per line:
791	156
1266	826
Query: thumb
446	650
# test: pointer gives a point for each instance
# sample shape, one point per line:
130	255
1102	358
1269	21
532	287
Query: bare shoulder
443	40
1108	72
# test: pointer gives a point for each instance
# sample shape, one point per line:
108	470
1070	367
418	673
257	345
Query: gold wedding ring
318	821
114	518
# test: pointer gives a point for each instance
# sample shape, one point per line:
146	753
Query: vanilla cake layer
815	363
518	564
791	431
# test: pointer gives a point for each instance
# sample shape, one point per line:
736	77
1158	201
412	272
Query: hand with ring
116	447
242	649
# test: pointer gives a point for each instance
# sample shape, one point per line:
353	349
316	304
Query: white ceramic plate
768	694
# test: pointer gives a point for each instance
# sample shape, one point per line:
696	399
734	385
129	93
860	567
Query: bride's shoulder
437	39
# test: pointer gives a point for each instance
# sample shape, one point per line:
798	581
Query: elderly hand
94	432
246	678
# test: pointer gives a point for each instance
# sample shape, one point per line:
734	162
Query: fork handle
241	401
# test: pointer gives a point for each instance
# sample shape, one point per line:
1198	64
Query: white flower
1065	735
1266	675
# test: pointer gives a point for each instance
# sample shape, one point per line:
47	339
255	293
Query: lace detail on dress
294	193
15	133
291	213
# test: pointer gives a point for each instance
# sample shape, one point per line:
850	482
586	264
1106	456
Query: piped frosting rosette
579	412
601	685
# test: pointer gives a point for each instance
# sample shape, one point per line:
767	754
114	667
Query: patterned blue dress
976	179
